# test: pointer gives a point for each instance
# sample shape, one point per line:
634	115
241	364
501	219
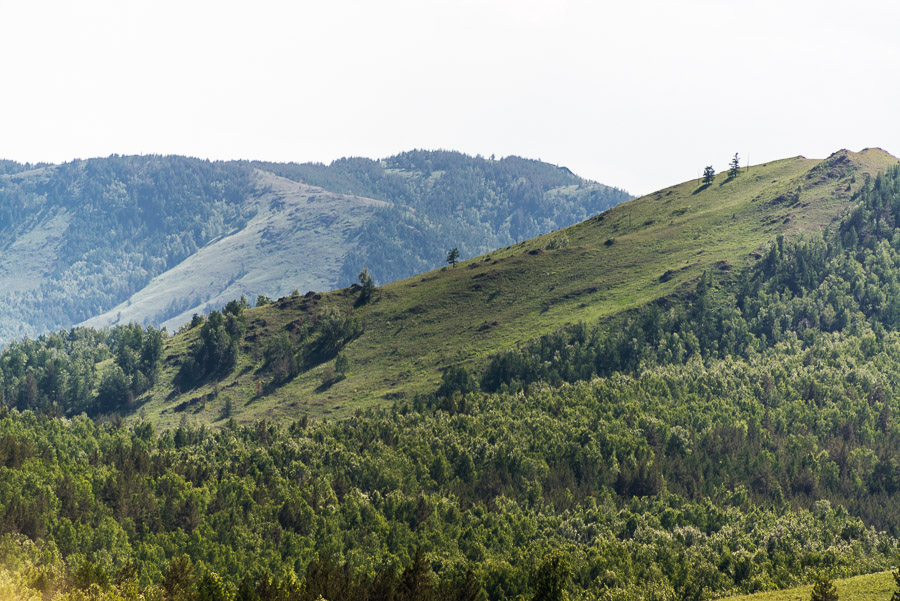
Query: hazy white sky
637	94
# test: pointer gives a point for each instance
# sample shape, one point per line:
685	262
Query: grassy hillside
871	587
154	239
634	254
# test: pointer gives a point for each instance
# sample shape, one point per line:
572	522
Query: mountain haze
155	239
297	237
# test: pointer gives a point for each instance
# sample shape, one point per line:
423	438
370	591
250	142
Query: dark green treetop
453	256
734	167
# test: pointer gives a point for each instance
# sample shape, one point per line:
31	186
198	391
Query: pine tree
823	589
368	287
453	256
734	167
709	174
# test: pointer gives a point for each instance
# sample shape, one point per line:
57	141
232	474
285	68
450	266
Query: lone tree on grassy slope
453	256
823	589
734	167
367	287
709	174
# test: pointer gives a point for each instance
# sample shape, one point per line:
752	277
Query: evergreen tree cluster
309	344
844	281
60	373
579	491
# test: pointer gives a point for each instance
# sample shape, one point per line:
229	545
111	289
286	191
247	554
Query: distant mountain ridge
431	195
155	238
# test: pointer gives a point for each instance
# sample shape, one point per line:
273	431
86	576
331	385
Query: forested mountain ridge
399	340
637	253
430	193
707	410
100	239
77	238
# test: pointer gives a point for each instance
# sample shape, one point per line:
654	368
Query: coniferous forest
738	436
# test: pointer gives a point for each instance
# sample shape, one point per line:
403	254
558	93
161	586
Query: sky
636	94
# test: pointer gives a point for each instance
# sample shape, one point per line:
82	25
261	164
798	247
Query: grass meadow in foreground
871	587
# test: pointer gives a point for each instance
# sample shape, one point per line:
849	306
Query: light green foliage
627	477
212	588
873	587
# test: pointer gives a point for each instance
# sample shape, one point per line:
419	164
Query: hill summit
278	359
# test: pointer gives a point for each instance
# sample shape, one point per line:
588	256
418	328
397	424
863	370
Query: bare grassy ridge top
638	252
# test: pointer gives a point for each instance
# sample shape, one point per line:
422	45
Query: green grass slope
639	252
871	587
